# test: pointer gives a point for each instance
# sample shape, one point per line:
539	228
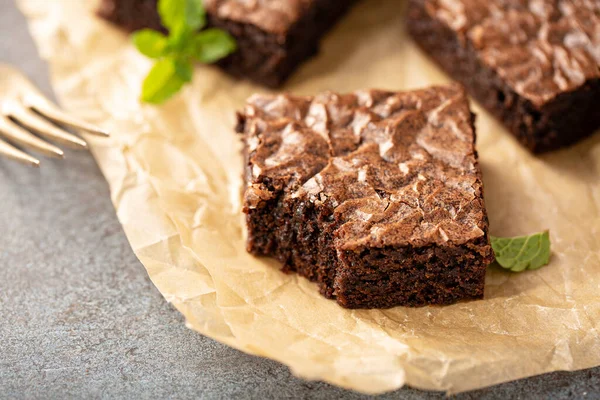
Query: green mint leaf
213	44
172	13
162	82
177	13
180	40
195	14
184	70
522	253
183	18
150	43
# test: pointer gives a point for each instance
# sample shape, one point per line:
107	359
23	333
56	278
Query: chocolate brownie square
534	64
375	195
274	36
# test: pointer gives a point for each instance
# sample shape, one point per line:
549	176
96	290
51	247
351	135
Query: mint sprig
523	252
177	52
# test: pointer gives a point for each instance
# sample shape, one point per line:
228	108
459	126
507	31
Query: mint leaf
150	43
163	81
175	53
195	14
172	13
522	253
213	44
181	40
175	14
184	70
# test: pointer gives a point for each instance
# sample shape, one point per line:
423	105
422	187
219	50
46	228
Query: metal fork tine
47	110
36	123
26	120
16	154
14	132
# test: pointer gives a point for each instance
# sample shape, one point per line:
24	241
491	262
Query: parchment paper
175	173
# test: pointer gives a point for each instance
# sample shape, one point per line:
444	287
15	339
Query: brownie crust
532	64
274	36
376	196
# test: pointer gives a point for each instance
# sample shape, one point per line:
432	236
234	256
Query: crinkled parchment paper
175	174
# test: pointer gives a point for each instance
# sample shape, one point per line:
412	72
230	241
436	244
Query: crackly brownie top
394	168
274	16
540	47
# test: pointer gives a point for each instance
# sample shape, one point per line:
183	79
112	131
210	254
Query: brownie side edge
413	277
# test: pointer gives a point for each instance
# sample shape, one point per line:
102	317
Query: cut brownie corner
375	195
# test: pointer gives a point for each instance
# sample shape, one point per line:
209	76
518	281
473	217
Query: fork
23	110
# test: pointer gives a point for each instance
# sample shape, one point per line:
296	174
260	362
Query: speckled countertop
79	317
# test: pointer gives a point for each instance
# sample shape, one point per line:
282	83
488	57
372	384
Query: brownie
274	36
534	64
376	196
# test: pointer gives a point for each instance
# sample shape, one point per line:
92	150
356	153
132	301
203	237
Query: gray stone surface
79	317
